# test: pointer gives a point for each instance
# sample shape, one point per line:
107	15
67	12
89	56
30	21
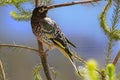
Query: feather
65	51
70	43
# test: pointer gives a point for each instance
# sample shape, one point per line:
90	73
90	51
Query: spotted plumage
47	31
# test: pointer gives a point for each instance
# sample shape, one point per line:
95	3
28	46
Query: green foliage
110	70
36	72
115	19
45	2
103	23
37	69
116	34
92	72
102	17
112	32
24	16
21	14
54	72
91	67
89	72
13	2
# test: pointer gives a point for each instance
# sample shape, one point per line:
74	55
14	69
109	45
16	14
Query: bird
49	33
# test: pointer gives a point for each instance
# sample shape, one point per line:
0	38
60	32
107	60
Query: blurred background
79	23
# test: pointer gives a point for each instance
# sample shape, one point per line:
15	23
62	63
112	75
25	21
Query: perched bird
49	33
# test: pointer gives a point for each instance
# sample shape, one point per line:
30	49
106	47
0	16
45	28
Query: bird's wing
71	43
51	27
47	26
59	39
60	45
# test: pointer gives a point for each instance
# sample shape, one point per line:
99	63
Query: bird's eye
42	10
45	9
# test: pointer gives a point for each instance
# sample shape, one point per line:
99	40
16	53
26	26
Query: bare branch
37	3
19	46
116	58
39	52
42	53
71	3
43	56
2	71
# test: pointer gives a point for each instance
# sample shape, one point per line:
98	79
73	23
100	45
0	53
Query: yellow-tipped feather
67	56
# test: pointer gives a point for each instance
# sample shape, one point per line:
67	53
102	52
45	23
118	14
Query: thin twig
37	3
109	50
2	71
116	58
19	46
71	3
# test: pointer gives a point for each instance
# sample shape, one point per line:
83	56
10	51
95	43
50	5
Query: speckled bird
48	32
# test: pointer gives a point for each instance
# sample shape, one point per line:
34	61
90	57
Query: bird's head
40	11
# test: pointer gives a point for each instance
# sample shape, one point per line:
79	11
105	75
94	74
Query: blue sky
77	20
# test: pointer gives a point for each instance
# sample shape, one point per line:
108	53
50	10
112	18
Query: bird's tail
78	57
67	53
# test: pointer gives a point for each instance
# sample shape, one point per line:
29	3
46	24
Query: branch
43	56
19	46
2	71
116	58
106	29
110	44
37	3
43	53
40	52
71	3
